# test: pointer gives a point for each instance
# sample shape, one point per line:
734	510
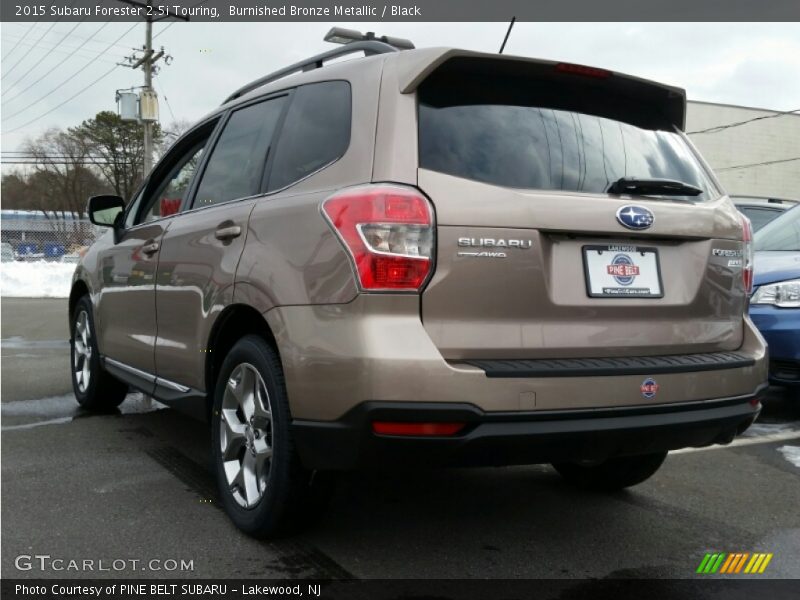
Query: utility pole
147	66
148	87
148	100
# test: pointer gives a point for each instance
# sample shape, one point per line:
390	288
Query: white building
736	153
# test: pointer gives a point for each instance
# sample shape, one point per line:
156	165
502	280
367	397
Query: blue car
775	303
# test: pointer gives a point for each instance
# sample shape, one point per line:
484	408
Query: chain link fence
33	236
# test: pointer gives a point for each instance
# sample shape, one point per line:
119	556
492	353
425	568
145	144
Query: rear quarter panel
291	256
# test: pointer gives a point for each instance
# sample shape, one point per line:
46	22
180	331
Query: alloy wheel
82	352
246	435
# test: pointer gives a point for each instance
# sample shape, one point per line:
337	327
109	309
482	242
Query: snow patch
762	429
791	453
40	279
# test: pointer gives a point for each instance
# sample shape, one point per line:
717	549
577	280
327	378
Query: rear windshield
534	147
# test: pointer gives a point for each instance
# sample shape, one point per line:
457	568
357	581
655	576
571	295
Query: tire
94	388
262	484
612	474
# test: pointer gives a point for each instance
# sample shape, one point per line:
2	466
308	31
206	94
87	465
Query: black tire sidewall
269	515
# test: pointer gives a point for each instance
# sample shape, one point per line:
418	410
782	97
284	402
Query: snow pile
791	453
36	279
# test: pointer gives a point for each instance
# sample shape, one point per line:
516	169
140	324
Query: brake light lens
388	231
399	428
583	70
747	270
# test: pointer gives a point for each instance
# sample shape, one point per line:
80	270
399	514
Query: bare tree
62	179
58	184
170	134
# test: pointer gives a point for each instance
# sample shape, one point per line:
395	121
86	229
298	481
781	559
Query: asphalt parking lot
136	486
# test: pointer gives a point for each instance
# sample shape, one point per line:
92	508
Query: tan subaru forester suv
427	257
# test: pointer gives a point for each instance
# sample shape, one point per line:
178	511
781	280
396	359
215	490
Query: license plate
621	271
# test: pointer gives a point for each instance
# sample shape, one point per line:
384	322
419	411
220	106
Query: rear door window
512	144
236	164
316	132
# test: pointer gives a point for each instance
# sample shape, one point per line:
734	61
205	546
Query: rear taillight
747	270
388	231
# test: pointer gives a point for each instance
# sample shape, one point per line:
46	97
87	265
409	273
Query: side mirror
105	210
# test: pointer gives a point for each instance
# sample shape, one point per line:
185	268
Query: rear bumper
518	438
780	327
376	349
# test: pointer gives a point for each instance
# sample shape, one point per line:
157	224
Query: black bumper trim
493	439
602	367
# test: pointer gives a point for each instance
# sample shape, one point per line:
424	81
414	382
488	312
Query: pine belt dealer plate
621	271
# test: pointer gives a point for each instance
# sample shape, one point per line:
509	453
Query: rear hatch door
535	259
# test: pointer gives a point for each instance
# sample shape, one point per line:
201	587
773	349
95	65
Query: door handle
228	233
150	248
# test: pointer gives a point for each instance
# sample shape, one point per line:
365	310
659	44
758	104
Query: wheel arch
233	323
79	290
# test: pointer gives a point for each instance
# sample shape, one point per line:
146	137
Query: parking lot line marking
746	441
58	421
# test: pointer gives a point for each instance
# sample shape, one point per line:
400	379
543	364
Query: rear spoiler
584	89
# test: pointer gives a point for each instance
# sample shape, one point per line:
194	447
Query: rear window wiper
652	187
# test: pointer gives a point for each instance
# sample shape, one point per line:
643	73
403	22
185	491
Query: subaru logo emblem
635	217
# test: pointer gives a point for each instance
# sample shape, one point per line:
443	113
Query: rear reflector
388	231
583	70
395	428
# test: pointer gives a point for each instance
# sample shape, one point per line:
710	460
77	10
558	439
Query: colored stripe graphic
703	563
753	564
734	562
718	563
741	562
765	563
727	566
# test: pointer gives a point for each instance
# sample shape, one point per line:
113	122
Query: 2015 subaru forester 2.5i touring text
426	257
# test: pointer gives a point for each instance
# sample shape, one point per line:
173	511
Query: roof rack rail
369	48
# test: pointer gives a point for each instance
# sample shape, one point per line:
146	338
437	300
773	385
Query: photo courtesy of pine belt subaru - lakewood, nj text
426	257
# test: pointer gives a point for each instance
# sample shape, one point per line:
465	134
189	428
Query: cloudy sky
751	64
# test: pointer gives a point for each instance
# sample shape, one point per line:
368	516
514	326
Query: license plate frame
650	283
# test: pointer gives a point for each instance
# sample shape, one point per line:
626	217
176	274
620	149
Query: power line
27	31
33	154
61	160
163	93
53	68
719	128
759	164
103	76
79	37
38	62
165	28
24	56
66	48
67	80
